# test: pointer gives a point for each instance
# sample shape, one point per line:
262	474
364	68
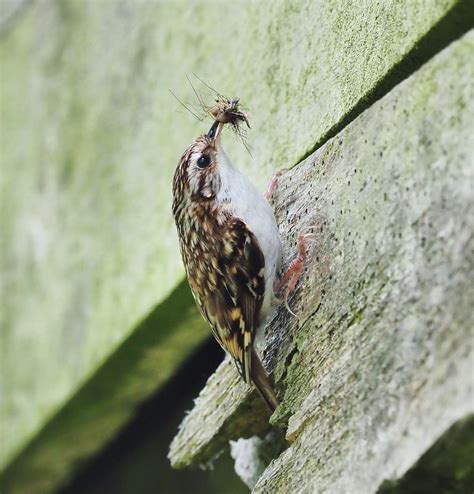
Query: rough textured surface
379	363
90	138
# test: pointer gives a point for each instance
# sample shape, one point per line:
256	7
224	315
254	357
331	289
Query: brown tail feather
262	382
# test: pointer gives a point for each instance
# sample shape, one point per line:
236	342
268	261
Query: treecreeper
231	246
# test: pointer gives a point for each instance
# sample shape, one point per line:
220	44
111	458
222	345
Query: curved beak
215	131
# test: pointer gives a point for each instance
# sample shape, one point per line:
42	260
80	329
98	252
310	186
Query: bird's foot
293	274
272	184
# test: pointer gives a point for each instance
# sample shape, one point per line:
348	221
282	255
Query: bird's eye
203	161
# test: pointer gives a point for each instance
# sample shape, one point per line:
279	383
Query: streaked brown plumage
231	254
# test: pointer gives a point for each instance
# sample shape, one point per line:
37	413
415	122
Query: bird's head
197	175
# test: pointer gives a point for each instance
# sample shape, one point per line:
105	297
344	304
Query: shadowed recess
446	468
135	460
142	363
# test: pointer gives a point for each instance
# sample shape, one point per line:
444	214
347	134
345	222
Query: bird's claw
293	274
272	184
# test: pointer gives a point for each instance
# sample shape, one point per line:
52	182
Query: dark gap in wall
136	459
446	468
78	425
451	27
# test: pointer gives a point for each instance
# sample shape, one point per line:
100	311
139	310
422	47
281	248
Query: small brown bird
231	249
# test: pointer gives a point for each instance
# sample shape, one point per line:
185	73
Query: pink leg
273	183
293	274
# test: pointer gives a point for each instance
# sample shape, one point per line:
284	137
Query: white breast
249	204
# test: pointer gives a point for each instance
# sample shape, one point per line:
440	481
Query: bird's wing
233	305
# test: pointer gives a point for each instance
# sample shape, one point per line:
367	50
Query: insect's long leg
198	96
242	136
185	106
217	93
